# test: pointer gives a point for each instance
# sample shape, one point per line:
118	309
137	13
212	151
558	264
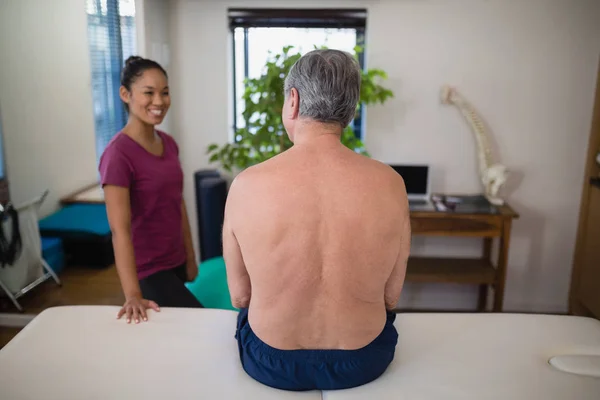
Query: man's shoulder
242	180
255	179
381	170
259	171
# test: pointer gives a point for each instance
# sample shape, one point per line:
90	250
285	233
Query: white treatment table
83	352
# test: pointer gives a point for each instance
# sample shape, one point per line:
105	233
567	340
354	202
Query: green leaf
212	148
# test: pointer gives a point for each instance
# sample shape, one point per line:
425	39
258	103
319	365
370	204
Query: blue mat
52	252
78	220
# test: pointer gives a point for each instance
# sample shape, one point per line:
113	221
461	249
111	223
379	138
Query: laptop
416	180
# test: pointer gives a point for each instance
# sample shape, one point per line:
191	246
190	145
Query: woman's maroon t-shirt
156	189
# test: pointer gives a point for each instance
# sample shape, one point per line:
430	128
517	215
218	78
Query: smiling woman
142	181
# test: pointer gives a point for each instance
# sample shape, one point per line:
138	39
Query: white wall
528	67
45	98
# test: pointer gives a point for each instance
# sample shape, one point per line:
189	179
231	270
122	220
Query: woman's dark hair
134	68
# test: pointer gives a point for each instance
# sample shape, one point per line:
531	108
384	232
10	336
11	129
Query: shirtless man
316	242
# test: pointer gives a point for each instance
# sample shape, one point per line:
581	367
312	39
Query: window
256	32
111	36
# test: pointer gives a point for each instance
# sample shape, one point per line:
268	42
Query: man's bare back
324	235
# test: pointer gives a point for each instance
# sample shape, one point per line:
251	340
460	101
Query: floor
80	286
6	335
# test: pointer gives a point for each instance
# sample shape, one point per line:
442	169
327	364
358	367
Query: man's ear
294	103
124	94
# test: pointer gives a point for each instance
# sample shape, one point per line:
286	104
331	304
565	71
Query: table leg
502	260
482	302
487	247
483	289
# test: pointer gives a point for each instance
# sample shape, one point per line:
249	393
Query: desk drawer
457	225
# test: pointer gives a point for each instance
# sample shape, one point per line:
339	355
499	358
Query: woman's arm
191	263
119	219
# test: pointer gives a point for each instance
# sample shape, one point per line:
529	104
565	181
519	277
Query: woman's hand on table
135	309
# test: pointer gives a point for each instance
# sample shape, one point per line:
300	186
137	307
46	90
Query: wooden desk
477	271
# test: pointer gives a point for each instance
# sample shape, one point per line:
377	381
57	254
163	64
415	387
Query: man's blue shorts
314	369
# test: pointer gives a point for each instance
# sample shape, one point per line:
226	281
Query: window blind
111	37
297	18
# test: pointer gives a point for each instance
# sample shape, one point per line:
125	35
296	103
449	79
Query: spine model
493	175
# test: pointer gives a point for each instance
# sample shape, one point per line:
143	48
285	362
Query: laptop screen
415	178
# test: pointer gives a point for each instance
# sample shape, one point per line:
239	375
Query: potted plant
264	135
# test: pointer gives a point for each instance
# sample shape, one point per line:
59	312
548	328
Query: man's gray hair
328	85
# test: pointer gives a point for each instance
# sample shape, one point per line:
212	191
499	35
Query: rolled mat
211	194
